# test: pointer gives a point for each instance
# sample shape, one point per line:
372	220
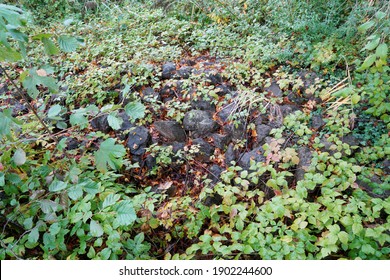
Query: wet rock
230	155
3	89
236	131
72	143
214	78
256	155
317	121
274	89
177	146
184	72
214	199
149	94
203	105
167	92
187	62
205	150
19	109
223	90
350	140
262	132
288	109
150	162
138	140
126	125
386	166
200	123
220	140
171	130
101	123
226	112
374	186
215	172
168	70
305	157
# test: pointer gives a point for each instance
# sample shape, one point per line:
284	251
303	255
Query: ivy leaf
68	43
343	237
33	235
96	229
136	110
109	154
54	111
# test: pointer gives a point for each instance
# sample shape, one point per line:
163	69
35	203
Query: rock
274	89
203	105
149	94
177	146
126	125
150	162
214	199
3	89
19	108
214	78
167	92
317	121
386	166
226	112
184	72
230	155
90	6
215	172
256	154
200	123
262	131
187	62
374	186
236	131
138	140
205	150
288	109
101	123
350	140
168	70
171	130
72	143
222	90
304	154
220	140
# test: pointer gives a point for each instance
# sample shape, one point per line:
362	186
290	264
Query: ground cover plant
194	129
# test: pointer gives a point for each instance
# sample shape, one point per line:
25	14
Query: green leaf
33	236
372	44
368	249
355	98
75	192
68	43
50	47
57	185
110	200
381	51
125	214
380	15
109	154
343	237
19	157
31	80
136	110
365	26
344	92
367	62
9	54
95	228
54	111
114	121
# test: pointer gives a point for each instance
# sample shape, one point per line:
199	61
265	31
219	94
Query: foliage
93	200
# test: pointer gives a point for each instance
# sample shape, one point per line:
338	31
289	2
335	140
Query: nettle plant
55	204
